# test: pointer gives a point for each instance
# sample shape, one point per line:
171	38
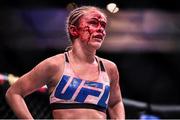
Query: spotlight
71	6
112	7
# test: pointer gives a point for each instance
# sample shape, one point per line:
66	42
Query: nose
101	30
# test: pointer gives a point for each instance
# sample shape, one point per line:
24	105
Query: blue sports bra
73	92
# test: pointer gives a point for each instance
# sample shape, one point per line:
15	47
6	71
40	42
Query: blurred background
142	39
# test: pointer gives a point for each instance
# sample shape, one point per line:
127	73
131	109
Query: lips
98	37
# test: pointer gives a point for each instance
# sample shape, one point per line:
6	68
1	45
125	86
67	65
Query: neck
81	54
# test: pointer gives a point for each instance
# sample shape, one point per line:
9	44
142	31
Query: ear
73	30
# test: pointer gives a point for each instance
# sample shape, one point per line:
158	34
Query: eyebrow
104	21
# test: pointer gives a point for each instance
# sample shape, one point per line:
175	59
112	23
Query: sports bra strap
100	62
102	66
66	57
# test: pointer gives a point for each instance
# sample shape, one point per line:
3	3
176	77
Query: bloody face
91	28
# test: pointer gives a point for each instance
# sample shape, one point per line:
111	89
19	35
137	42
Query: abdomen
78	114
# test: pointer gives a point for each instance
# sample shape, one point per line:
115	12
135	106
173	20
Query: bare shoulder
111	68
55	60
52	64
110	65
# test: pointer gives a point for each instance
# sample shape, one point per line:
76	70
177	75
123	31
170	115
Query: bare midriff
78	114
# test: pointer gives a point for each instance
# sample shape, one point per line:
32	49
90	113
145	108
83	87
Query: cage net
38	105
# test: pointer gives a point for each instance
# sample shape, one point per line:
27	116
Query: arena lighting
12	79
70	6
112	7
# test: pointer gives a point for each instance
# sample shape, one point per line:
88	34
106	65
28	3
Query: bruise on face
93	22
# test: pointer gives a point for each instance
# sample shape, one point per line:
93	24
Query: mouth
98	37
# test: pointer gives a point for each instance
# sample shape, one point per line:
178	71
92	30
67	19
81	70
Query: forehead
94	14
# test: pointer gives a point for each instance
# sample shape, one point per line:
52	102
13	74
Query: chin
96	46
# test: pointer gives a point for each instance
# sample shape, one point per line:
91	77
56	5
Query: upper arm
115	92
34	79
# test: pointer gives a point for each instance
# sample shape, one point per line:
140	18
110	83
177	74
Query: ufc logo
79	90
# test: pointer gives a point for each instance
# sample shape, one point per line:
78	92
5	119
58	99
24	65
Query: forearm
18	105
117	111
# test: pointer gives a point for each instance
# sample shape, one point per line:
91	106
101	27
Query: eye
103	24
93	22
